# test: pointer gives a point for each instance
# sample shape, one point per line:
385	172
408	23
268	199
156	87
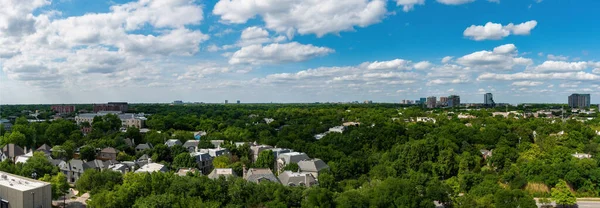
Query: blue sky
78	51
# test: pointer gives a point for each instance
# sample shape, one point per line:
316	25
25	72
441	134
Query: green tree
96	181
292	167
15	138
221	161
87	153
266	159
39	165
184	160
59	183
562	195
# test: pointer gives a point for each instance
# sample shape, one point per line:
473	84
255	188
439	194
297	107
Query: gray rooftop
258	175
289	178
293	157
313	165
218	172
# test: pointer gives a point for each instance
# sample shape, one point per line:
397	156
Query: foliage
265	159
60	186
93	180
39	165
561	194
221	161
87	153
184	160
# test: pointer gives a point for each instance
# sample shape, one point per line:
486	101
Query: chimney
306	181
196	149
244	171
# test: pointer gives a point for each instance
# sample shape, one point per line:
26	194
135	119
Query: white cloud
503	57
422	65
575	76
447	59
495	31
317	17
557	57
459	80
560	66
254	35
277	53
527	83
408	5
596	71
455	2
41	48
399	64
570	85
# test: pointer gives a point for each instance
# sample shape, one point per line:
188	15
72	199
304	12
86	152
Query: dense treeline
384	162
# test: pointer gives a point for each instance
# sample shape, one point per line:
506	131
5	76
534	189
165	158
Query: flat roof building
579	100
18	191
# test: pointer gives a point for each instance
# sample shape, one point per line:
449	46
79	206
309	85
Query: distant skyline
261	51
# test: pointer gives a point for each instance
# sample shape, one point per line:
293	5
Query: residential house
199	134
239	144
142	147
11	151
172	142
289	158
346	124
486	153
185	171
279	151
268	120
152	167
217	143
99	164
191	145
6	123
289	178
256	149
108	153
23	158
204	161
215	152
218	172
45	148
582	155
119	167
259	175
73	169
143	160
313	166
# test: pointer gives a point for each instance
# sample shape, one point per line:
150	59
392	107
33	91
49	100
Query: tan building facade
17	191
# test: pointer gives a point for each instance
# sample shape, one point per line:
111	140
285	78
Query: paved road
584	204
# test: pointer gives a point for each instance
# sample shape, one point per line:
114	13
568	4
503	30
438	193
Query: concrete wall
18	199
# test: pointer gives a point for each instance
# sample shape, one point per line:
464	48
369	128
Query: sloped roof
172	142
12	150
289	178
152	167
217	172
313	165
257	175
128	142
44	147
109	150
191	143
293	157
144	146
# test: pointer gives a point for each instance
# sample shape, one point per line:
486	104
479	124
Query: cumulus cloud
317	17
408	5
447	59
277	53
560	66
44	49
527	83
399	64
503	57
576	76
496	31
422	65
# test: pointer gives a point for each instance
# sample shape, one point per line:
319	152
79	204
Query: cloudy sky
82	51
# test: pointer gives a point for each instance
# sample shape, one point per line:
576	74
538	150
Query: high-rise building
579	100
238	101
226	101
431	101
453	101
488	100
422	101
443	101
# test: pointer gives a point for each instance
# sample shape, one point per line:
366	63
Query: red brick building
111	106
63	109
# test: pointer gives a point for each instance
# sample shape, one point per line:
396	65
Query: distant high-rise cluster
431	102
488	100
453	101
579	100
